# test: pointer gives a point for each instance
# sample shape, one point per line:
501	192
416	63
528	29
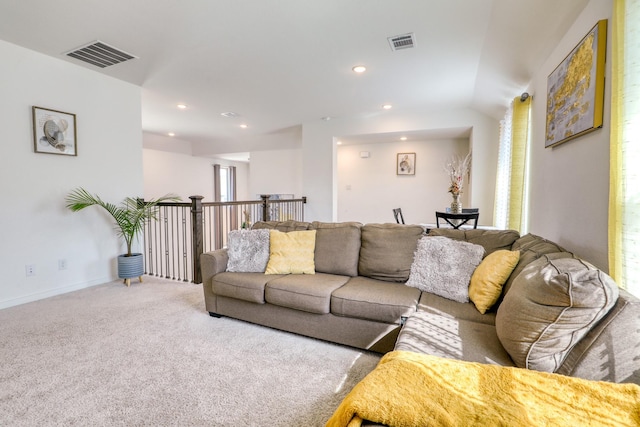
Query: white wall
185	175
319	159
570	183
36	227
276	172
369	188
568	194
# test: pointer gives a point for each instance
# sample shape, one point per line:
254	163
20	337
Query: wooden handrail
173	247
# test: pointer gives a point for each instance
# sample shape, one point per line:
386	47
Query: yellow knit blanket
411	389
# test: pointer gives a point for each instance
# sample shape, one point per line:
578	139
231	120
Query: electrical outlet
30	269
62	264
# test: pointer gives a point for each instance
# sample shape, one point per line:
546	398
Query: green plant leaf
130	216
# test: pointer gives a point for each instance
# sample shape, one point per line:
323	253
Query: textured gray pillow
550	307
444	266
248	251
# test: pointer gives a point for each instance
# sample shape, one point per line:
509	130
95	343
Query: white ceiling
281	63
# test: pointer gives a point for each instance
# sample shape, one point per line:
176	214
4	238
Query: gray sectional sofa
359	297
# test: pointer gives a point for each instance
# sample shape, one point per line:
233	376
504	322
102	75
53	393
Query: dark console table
457	220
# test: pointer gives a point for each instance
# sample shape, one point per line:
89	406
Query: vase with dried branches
457	167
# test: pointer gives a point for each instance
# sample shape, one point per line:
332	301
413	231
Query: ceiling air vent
100	54
404	41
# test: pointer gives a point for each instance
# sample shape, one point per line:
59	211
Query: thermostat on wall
364	154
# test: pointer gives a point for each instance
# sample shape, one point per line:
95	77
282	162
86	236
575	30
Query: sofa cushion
376	300
531	247
243	286
490	240
284	226
444	267
248	251
337	247
552	304
387	251
445	336
464	311
292	252
310	293
486	283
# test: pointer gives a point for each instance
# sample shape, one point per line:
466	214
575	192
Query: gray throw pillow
552	304
444	266
248	251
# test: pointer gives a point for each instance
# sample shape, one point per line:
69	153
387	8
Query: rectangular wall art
575	89
406	164
54	132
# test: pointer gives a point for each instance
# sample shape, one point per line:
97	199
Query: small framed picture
54	132
406	164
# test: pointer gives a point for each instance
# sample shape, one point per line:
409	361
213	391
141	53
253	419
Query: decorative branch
457	168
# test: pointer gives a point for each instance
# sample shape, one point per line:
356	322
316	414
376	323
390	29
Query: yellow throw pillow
487	280
292	252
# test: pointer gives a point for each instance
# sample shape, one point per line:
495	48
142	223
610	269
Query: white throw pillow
444	266
248	251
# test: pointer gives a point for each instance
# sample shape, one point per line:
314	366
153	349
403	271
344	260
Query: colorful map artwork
571	92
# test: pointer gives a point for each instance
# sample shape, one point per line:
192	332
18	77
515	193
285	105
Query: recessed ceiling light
171	134
387	106
243	126
359	69
181	106
230	114
339	142
403	138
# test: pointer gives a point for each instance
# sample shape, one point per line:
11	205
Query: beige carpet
151	355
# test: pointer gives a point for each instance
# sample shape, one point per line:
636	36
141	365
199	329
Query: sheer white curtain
501	209
624	206
511	209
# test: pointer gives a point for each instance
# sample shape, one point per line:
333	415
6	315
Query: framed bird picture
54	132
406	164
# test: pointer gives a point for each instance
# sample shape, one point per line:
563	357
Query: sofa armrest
212	263
609	352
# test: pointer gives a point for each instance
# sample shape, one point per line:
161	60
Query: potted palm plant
130	217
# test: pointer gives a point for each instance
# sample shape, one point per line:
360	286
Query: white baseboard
53	292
